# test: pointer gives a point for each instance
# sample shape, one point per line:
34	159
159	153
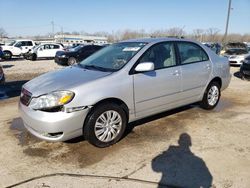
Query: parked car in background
17	48
122	83
245	68
75	55
216	47
48	50
1	53
235	52
2	77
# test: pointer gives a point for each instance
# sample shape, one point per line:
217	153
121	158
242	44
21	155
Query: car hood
63	79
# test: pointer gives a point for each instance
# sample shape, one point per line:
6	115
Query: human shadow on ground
181	168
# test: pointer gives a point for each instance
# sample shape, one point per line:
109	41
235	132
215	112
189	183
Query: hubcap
108	125
213	95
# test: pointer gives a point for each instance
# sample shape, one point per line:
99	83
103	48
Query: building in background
70	40
67	40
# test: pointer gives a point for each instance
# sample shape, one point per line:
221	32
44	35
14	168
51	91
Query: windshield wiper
96	68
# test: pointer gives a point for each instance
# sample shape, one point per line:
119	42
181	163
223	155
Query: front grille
25	97
233	62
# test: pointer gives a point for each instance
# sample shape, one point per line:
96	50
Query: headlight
51	100
63	56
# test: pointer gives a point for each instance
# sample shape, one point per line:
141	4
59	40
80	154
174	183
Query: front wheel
71	61
7	55
105	125
211	96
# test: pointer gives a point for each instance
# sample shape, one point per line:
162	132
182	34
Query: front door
157	90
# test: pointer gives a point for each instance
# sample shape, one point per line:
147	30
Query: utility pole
228	16
53	25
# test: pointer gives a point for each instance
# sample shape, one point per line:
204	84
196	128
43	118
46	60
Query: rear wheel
7	55
71	61
105	125
211	96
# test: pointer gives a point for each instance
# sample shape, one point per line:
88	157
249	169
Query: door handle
176	73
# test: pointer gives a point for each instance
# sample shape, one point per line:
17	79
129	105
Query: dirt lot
186	147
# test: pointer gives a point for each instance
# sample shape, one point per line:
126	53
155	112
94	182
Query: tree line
203	35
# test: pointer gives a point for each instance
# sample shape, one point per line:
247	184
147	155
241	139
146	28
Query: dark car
75	55
2	78
1	53
245	68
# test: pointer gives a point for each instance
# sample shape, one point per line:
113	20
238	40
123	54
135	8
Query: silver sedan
119	84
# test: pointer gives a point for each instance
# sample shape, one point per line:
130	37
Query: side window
51	46
19	44
162	55
29	43
23	43
190	53
46	47
56	47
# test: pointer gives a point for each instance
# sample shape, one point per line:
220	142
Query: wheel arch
218	80
8	51
117	101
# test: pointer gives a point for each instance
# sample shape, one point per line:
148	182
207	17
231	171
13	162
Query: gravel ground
186	147
20	69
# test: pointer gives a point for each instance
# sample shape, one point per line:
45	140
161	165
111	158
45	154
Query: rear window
191	53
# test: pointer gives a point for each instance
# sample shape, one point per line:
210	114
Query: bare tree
3	33
212	34
198	34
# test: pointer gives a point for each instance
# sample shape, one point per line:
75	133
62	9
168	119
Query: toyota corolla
121	83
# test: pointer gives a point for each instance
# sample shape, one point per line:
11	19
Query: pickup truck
17	48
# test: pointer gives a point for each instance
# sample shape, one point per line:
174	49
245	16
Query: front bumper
53	126
61	60
245	69
235	61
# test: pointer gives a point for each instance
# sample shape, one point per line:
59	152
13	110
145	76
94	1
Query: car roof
155	40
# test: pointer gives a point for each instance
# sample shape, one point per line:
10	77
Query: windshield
114	57
236	51
76	48
12	43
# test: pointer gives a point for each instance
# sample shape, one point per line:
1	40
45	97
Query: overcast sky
34	17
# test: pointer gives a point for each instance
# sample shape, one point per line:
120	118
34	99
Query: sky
34	17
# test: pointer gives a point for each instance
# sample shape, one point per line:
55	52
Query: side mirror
145	67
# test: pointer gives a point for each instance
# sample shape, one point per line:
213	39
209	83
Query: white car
237	59
47	50
17	48
236	52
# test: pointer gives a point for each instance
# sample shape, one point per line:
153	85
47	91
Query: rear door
157	90
53	49
26	45
196	69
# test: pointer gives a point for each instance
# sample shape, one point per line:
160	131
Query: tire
207	102
71	61
34	57
7	55
94	128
